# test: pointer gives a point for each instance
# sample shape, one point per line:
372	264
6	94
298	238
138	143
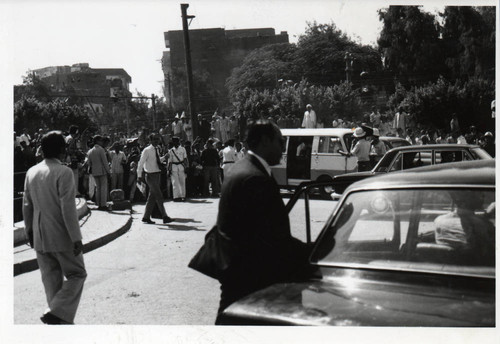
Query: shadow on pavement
180	228
196	201
185	220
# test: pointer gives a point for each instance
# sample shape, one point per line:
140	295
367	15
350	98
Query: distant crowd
218	144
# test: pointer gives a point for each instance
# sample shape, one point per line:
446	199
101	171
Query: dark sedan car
415	248
406	157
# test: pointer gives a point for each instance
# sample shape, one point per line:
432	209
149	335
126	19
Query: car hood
351	301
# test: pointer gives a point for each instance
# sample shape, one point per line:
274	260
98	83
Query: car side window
329	144
397	165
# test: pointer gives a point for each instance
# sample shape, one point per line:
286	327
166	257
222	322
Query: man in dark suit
203	128
252	216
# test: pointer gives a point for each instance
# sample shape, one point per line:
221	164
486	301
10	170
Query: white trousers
178	178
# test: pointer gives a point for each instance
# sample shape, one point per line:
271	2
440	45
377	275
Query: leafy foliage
32	114
409	42
290	99
434	103
469	41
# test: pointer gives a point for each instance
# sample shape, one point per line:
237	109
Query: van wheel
325	191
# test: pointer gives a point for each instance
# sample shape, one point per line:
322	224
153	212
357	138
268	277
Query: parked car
413	248
317	155
406	157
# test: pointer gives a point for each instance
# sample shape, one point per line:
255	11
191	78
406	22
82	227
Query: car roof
477	172
449	146
315	131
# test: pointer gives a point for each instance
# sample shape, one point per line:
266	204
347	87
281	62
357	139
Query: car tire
325	192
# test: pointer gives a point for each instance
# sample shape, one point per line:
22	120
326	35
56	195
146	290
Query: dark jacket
252	214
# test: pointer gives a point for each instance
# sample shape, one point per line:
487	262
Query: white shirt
229	154
309	120
181	156
148	161
262	161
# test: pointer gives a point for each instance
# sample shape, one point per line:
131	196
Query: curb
20	237
32	264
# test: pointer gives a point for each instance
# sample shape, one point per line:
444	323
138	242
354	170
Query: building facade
97	89
214	53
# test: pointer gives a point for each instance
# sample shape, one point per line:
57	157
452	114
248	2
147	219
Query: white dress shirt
148	161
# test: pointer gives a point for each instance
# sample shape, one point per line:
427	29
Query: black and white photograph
248	171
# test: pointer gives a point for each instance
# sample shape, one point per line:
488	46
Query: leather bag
214	257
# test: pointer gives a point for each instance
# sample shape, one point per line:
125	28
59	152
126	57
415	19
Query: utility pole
153	103
189	72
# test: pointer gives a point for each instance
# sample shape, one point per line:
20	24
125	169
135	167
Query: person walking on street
177	162
51	224
253	218
99	168
210	162
310	119
150	164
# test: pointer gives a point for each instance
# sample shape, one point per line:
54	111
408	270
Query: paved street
142	277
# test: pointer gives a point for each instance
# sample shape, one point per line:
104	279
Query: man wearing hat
99	168
177	162
362	150
309	120
177	126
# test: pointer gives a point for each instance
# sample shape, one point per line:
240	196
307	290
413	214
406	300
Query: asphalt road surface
142	278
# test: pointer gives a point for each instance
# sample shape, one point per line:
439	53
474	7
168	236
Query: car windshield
480	153
449	231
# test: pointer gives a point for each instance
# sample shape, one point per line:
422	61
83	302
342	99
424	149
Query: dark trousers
155	196
211	176
364	166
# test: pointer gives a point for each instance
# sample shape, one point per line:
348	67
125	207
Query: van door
298	164
326	158
279	171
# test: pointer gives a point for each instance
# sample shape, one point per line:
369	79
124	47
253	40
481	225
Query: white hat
488	133
359	132
177	116
183	115
376	132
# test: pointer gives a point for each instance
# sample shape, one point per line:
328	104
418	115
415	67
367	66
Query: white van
314	155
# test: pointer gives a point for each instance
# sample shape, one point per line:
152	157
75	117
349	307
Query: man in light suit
253	217
51	224
99	168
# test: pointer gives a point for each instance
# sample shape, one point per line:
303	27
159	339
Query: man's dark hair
152	137
73	129
258	130
53	144
97	138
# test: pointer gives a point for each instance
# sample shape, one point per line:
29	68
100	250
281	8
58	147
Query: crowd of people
201	162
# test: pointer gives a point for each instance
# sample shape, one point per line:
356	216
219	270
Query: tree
264	67
32	114
409	43
321	55
469	40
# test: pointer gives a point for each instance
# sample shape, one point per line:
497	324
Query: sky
129	34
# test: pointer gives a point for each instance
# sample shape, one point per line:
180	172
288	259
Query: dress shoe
167	219
148	221
51	319
102	208
177	199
